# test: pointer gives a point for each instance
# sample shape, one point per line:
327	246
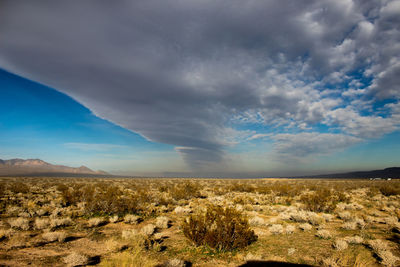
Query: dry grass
162	221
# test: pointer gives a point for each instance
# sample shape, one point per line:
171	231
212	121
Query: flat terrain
140	222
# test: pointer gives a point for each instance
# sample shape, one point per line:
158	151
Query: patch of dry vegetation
207	222
219	228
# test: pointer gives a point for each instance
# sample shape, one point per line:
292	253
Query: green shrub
219	228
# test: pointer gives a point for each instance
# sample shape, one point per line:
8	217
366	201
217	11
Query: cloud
181	72
303	146
258	136
93	147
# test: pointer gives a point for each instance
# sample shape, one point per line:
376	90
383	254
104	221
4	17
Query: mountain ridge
36	166
391	172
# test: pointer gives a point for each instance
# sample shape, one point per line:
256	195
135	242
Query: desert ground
198	222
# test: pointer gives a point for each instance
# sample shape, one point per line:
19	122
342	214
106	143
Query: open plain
198	222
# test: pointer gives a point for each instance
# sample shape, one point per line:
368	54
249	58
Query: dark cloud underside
182	72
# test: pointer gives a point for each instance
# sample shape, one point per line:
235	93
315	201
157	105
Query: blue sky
39	122
202	87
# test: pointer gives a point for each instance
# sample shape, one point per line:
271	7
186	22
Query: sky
202	88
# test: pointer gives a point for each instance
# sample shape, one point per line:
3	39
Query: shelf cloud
185	73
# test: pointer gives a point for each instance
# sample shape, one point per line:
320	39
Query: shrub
349	225
54	223
389	190
219	228
18	187
131	219
188	190
100	199
306	216
324	234
387	258
180	210
42	223
290	229
340	244
19	223
322	200
114	219
345	216
305	226
93	222
163	222
276	229
129	234
76	259
148	229
354	239
381	249
174	263
257	221
54	236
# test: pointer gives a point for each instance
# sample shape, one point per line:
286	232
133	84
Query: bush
322	200
19	223
100	199
76	259
219	228
390	190
187	190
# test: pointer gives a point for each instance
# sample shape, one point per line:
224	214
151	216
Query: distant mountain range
393	172
38	167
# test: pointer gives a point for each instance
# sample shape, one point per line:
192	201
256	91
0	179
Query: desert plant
54	236
129	234
19	223
340	244
324	234
219	228
98	221
42	223
186	191
381	249
257	221
305	226
354	239
290	229
61	222
390	189
76	259
148	230
131	219
163	222
276	229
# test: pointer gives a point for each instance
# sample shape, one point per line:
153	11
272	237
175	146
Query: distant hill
393	172
38	167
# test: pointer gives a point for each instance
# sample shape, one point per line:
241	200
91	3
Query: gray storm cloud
177	72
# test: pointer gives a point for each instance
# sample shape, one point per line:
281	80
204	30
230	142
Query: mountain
393	172
37	167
